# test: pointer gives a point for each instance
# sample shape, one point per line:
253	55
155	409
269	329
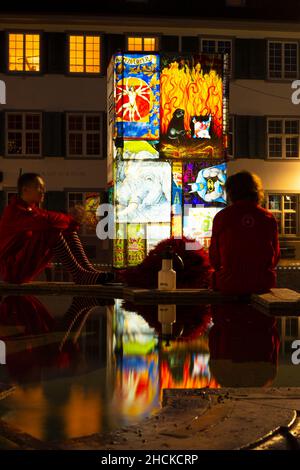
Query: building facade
54	119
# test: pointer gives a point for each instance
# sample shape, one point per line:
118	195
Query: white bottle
167	275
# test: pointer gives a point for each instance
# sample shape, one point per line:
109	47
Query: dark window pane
290	60
75	144
14	121
275	147
208	46
32	121
14	145
93	123
93	144
292	150
224	47
275	60
290	223
291	127
32	143
75	123
275	126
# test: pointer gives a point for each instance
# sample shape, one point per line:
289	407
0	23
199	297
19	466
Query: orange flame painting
195	90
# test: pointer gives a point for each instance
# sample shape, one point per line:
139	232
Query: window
84	133
23	132
284	209
217	46
142	43
90	201
24	52
84	54
283	138
283	60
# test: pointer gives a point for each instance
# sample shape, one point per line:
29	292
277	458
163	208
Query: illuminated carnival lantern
167	135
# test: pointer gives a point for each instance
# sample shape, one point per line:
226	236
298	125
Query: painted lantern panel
191	106
137	94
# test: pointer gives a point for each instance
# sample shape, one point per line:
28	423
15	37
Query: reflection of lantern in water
136	392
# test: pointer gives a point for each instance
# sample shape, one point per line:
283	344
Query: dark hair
25	179
244	185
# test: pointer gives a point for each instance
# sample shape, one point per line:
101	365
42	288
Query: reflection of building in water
95	339
92	335
289	329
59	368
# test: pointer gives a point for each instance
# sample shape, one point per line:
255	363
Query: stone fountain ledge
199	419
279	301
207	419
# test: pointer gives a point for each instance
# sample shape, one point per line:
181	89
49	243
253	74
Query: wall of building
252	95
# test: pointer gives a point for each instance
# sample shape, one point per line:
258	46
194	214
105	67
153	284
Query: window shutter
53	134
2	133
241	69
113	44
258	59
250	137
3	52
56	52
190	44
257	136
241	137
55	201
2	201
169	43
250	59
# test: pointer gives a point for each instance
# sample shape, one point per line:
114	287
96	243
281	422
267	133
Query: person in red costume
244	248
30	236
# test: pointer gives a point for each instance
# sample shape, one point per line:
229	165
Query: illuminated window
284	209
23	134
84	54
283	138
84	132
24	52
283	60
89	201
142	43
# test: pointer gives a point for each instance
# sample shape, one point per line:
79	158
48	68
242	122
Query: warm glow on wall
84	54
141	43
24	52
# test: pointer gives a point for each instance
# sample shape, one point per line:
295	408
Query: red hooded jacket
244	249
27	237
